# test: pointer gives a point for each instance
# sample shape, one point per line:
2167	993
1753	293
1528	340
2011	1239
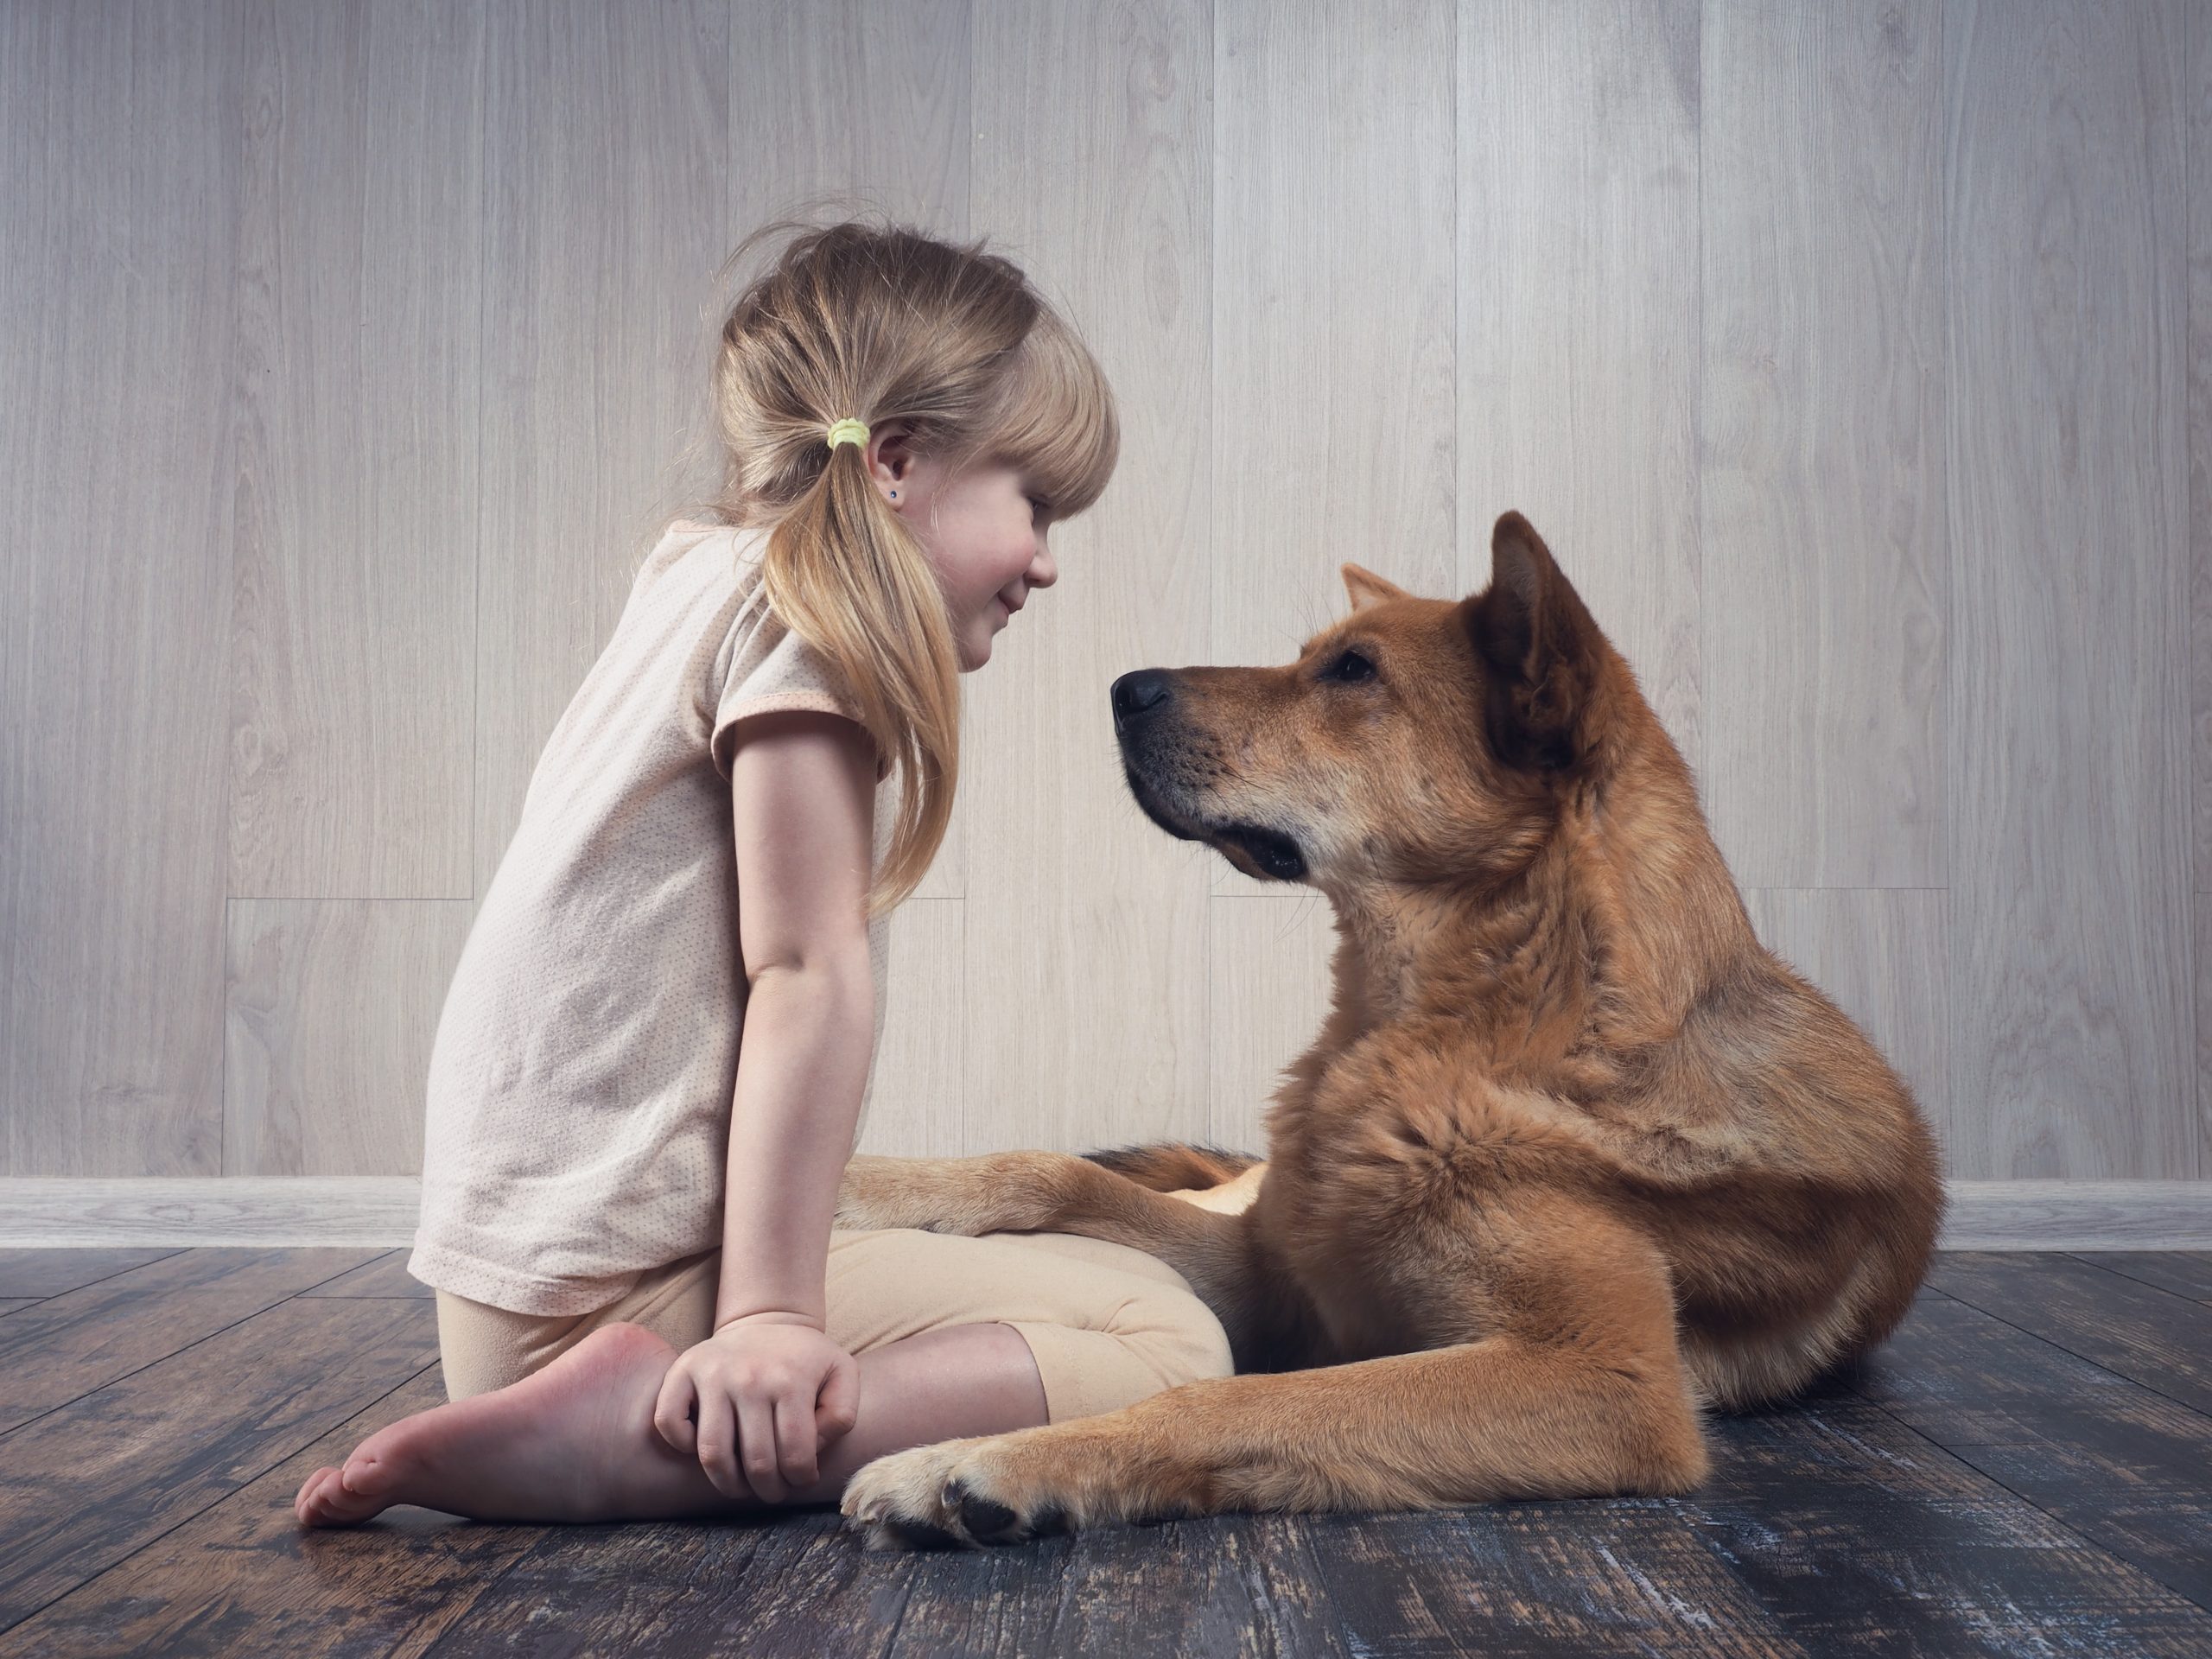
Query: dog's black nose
1135	693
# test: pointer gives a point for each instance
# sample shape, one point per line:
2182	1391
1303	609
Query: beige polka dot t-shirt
580	1084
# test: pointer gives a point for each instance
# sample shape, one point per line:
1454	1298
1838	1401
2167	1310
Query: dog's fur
1574	1158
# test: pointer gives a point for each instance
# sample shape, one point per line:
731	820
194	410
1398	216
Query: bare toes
327	1501
302	1498
319	1505
365	1474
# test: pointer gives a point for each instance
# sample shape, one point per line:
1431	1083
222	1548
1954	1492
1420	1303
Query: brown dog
1573	1158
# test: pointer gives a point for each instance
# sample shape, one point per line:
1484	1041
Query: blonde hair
883	324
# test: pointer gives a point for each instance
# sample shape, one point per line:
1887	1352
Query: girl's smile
982	530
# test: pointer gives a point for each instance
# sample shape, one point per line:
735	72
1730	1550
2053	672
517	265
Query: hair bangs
1056	420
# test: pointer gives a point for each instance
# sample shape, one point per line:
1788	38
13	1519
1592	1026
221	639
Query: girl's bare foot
575	1441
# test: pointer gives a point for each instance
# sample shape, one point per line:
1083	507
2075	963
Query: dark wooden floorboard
48	1273
802	1586
2123	1465
83	1339
2133	1330
1622	1576
1831	1528
1979	1487
385	1276
2186	1273
1860	1534
83	1486
241	1577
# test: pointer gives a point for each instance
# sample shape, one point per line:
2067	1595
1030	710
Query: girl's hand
771	1393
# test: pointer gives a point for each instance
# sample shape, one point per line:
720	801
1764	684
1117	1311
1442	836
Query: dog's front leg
1494	1419
1582	1393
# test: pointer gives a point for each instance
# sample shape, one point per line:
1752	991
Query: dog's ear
1366	587
1538	647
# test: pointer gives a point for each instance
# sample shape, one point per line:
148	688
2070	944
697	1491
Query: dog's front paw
959	1493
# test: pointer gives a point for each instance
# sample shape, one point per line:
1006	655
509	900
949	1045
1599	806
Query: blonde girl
643	1308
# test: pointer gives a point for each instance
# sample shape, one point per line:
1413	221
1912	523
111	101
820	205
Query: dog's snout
1135	694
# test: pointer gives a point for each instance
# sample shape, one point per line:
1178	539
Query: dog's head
1416	740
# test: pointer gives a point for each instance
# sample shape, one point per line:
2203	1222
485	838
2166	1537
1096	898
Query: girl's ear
890	452
1366	587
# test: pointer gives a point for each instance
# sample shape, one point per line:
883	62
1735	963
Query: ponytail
842	569
883	324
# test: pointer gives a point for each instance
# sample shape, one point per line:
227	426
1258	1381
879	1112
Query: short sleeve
790	674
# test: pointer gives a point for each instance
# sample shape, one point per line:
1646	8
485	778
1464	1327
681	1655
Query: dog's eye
1352	666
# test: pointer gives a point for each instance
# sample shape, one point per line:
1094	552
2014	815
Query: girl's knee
1105	1351
1173	1336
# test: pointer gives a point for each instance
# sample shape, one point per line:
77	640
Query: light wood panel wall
1855	357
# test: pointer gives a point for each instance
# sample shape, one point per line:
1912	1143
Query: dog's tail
1174	1166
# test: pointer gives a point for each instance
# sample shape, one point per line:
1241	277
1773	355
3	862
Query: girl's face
984	532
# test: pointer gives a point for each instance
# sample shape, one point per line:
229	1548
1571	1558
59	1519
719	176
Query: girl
642	1310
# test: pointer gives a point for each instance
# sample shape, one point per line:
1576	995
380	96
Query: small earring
894	495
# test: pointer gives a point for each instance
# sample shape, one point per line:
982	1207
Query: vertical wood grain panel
1333	293
853	106
606	145
2198	169
120	196
1086	932
1883	958
2073	1049
2202	910
354	349
353	646
914	1101
332	1006
1577	215
1822	465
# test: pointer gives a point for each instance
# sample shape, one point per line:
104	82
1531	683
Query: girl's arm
762	1397
801	1070
802	789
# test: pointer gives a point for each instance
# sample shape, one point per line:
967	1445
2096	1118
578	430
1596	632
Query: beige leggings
1107	1324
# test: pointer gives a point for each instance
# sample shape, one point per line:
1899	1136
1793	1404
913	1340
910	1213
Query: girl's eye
1352	666
1040	504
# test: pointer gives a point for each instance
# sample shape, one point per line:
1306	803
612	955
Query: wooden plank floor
2023	1470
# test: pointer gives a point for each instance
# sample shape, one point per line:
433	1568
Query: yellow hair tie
847	430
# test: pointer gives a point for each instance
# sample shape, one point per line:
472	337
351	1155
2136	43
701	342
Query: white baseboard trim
268	1210
2079	1216
379	1210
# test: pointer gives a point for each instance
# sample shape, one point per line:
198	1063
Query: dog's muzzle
1152	760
